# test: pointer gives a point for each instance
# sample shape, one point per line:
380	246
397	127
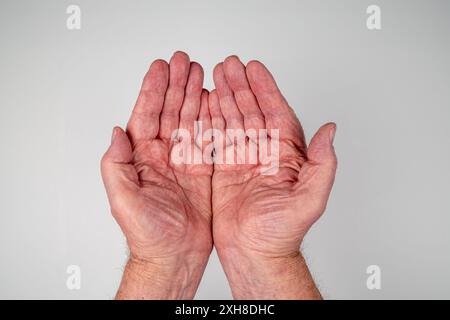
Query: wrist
255	276
162	278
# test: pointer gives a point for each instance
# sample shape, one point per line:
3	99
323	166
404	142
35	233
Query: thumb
119	176
317	174
321	150
120	150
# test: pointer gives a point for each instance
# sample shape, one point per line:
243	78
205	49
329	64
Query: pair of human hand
173	213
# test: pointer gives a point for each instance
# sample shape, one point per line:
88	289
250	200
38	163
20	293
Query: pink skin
171	213
163	209
260	220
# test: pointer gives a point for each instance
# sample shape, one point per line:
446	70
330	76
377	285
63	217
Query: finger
228	106
178	75
218	125
277	113
204	118
144	121
203	138
191	104
317	174
119	176
217	120
237	80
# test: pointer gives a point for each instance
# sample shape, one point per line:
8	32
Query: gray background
62	91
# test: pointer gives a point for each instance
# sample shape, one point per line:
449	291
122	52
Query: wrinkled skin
170	213
266	215
163	209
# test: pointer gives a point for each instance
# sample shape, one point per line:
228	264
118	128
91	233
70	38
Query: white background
62	91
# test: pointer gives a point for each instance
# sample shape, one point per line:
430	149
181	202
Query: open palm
164	209
266	214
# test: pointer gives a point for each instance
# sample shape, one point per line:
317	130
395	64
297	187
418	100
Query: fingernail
332	134
114	134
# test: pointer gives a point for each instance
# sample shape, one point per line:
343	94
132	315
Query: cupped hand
261	217
163	208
